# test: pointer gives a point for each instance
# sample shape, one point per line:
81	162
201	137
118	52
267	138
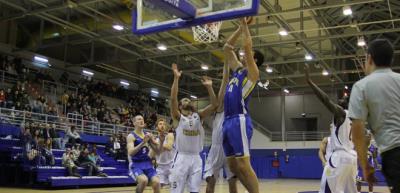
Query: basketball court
131	45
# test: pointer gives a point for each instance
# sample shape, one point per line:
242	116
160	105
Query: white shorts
186	171
216	161
164	171
340	174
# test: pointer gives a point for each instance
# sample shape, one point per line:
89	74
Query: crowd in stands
116	146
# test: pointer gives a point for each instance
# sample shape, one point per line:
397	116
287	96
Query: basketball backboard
153	16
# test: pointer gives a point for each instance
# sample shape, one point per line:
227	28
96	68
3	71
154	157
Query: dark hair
381	51
259	57
344	102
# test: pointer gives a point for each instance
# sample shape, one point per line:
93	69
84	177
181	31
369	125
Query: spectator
73	136
95	158
9	98
85	162
55	137
2	99
46	133
46	153
68	161
109	148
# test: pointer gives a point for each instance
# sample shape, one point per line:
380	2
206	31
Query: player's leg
358	186
163	175
179	173
371	188
194	178
211	180
155	180
232	185
232	179
323	180
247	175
142	182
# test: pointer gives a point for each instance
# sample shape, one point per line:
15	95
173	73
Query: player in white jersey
187	166
216	159
341	171
165	158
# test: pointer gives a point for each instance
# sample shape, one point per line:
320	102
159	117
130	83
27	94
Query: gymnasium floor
266	186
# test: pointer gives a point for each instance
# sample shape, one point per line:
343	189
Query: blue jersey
238	93
370	155
143	154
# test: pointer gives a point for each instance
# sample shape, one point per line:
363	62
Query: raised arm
170	142
229	50
130	144
253	73
337	110
174	108
222	88
322	150
207	82
154	145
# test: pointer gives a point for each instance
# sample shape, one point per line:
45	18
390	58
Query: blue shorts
237	133
142	168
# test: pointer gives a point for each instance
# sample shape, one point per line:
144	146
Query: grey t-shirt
376	99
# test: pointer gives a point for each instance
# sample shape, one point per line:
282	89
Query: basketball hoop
206	33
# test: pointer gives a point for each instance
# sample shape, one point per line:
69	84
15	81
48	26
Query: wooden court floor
266	186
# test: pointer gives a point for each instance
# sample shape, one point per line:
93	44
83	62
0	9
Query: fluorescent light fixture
361	42
241	52
346	87
55	34
155	92
124	82
325	72
286	91
88	73
283	32
41	59
204	67
118	27
345	94
162	47
347	10
260	84
153	99
269	69
193	97
308	57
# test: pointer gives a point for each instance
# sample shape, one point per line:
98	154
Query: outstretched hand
177	72
207	81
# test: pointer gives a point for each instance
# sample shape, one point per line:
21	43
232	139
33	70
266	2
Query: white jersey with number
217	128
165	157
190	134
341	137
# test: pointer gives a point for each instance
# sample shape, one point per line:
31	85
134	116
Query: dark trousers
391	169
91	167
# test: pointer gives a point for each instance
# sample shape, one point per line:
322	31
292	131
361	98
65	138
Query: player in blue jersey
237	126
372	155
141	168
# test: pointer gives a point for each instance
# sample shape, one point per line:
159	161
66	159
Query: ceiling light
161	46
241	53
325	72
155	92
286	91
204	67
283	32
347	10
118	27
124	82
153	99
308	57
193	97
55	34
41	59
269	69
361	42
88	73
346	87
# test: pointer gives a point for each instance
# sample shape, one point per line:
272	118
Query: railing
300	135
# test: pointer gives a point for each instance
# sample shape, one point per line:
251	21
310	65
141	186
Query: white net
207	33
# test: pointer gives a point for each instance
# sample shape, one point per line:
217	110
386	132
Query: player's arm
322	150
358	138
174	107
337	110
155	146
130	145
170	142
253	73
222	88
229	50
207	82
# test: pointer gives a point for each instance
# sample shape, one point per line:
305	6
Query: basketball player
325	150
187	166
141	168
372	160
166	156
216	160
237	126
341	168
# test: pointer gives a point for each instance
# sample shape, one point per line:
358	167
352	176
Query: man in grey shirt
376	99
